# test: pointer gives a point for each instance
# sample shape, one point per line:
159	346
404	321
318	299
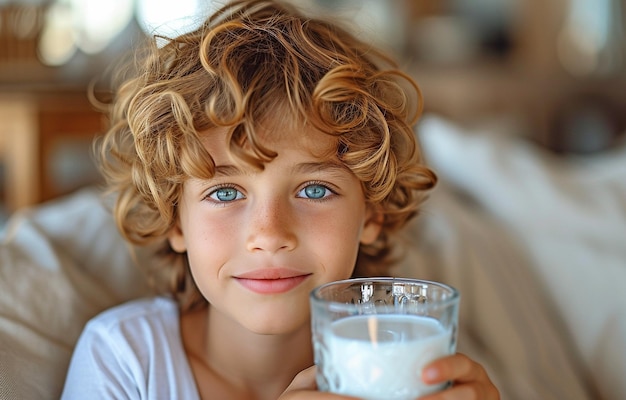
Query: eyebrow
325	166
227	170
303	168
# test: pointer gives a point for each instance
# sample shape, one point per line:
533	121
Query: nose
271	227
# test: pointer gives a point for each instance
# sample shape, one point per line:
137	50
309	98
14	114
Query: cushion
568	216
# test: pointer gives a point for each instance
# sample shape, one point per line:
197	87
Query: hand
470	380
303	387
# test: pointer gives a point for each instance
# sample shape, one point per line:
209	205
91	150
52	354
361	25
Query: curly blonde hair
246	62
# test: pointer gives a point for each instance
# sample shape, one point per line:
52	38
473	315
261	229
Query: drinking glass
373	336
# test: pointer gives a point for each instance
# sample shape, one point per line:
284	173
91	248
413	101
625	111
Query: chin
277	323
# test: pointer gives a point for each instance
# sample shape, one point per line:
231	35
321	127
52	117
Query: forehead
276	136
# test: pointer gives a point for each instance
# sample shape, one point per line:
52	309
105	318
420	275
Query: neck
261	366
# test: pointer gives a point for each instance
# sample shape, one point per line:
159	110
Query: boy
270	153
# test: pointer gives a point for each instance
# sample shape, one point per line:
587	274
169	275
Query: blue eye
226	194
315	192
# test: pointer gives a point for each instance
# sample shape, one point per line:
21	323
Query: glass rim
452	298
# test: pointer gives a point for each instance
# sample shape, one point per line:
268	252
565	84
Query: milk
380	357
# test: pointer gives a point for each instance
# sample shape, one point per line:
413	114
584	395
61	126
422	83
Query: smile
271	281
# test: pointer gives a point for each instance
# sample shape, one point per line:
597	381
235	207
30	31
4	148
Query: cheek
349	223
209	241
340	231
338	237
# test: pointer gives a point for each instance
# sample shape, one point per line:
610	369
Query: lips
271	280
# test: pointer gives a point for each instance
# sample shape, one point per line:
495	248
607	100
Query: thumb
305	380
303	387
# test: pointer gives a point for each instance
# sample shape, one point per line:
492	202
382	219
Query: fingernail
430	374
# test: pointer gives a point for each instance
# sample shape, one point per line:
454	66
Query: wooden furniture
32	126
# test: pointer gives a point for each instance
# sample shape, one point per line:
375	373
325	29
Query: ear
372	227
176	238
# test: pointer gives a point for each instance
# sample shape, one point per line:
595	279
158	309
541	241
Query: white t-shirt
133	351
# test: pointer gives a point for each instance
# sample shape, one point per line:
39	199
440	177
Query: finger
473	391
458	368
305	380
304	387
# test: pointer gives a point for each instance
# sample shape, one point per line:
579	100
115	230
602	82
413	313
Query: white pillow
505	320
60	264
569	214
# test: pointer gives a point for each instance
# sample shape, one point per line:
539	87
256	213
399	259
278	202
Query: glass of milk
373	336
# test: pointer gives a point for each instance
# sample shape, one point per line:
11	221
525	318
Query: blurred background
524	124
553	67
